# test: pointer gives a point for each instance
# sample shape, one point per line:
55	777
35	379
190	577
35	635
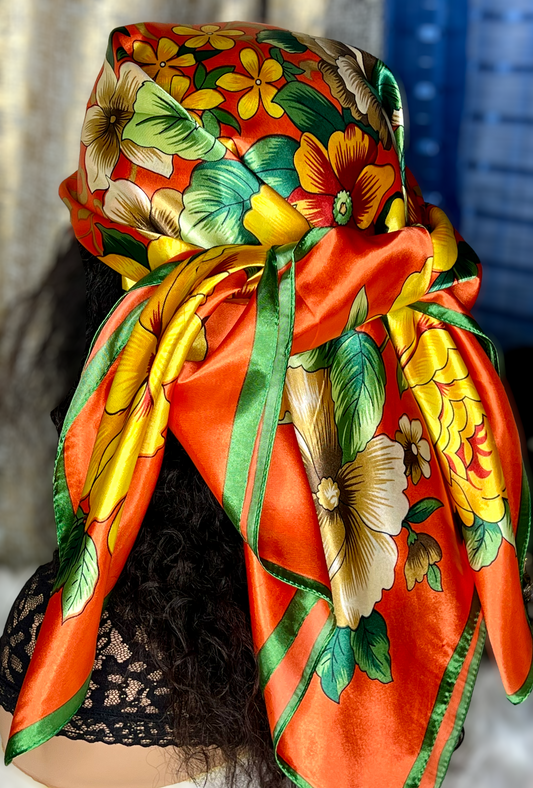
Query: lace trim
125	702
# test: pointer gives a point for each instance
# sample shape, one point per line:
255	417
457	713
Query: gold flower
424	551
360	505
257	85
162	65
416	448
104	123
200	100
214	34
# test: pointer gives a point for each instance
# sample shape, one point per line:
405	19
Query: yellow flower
162	65
360	505
214	34
417	453
200	100
424	551
104	123
258	85
453	413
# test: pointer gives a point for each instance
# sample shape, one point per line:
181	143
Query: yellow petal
163	249
395	219
229	143
143	53
349	152
185	60
267	94
235	82
369	190
130	269
198	349
443	239
312	163
179	86
197	41
250	62
219	41
415	286
273	220
271	71
209	29
249	103
166	50
203	99
184	30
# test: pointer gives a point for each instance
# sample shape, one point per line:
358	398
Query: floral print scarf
299	317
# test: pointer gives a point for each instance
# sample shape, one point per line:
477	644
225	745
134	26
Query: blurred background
466	70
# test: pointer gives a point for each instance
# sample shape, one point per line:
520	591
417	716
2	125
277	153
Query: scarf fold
299	318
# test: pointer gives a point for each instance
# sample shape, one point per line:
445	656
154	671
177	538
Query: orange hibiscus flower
340	185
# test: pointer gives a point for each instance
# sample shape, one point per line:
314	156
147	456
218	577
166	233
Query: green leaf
276	55
214	75
386	87
309	110
434	577
81	581
115	242
292	68
211	123
358	311
337	664
224	117
506	526
272	160
121	54
311	360
160	122
371	645
403	385
482	541
70	549
215	203
199	76
423	509
358	391
282	39
288	76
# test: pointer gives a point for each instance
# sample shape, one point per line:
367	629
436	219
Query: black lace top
125	703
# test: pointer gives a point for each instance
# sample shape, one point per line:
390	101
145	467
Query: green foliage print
160	122
483	539
80	580
358	383
366	647
215	203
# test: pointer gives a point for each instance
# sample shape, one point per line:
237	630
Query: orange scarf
299	318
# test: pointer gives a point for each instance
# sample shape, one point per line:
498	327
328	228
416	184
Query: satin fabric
299	317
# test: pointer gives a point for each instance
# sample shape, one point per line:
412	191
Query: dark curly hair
184	584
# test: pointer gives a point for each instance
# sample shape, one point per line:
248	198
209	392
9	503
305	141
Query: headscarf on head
299	318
